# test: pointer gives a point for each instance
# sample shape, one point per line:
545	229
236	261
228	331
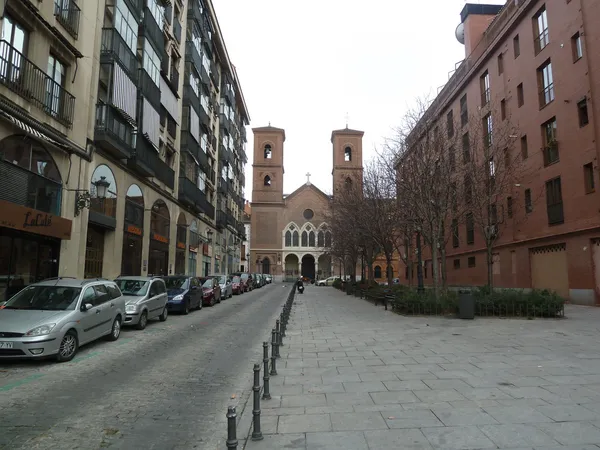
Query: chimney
475	19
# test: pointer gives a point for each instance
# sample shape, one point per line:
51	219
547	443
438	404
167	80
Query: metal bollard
282	328
266	394
277	340
273	357
256	432
232	442
278	329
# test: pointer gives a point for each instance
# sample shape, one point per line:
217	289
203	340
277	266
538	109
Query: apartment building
539	63
126	155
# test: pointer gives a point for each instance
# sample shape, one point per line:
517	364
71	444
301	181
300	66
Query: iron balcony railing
230	218
18	185
113	46
67	13
26	79
177	30
146	160
113	133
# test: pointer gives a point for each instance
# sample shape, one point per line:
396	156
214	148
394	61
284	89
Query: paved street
354	377
166	387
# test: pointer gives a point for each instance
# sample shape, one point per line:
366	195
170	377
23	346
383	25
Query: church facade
289	233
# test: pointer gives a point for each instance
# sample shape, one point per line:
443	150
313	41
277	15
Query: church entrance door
266	266
308	266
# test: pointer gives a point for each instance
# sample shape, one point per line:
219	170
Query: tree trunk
370	272
435	269
388	269
490	265
444	269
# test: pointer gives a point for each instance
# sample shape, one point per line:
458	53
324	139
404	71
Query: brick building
289	233
540	62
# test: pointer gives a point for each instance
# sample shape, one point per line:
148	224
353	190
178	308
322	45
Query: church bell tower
347	157
267	167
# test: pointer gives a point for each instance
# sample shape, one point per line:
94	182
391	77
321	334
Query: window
549	141
268	152
321	239
509	207
464	110
554	203
347	154
503	109
157	12
304	239
311	239
470	229
201	181
582	112
450	123
484	83
520	97
288	238
452	158
540	30
456	264
468	187
151	62
524	149
577	47
54	85
492	166
545	83
466	147
528	205
126	25
487	130
377	272
296	239
588	178
471	261
516	46
455	238
500	64
327	239
267	180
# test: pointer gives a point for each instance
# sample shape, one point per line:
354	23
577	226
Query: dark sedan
185	293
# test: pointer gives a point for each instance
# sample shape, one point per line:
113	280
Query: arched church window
377	272
304	239
321	239
288	238
348	183
267	181
328	239
296	239
347	154
268	152
311	239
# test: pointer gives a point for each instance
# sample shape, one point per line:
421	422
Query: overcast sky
304	65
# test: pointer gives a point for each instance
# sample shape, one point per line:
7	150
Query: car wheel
164	315
199	307
115	331
142	322
186	308
68	347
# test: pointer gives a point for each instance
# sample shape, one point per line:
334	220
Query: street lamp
83	197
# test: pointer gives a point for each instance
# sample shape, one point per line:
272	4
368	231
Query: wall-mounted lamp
83	197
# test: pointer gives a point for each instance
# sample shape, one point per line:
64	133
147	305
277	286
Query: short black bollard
282	328
273	357
277	344
232	442
278	330
256	432
266	394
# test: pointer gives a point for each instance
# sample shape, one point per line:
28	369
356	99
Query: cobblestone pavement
355	377
166	387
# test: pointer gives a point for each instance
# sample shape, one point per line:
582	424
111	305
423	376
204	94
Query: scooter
301	289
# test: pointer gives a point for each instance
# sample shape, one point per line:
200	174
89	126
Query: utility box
466	304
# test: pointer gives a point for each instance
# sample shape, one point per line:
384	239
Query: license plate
6	345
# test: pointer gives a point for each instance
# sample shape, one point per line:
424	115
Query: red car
211	291
238	285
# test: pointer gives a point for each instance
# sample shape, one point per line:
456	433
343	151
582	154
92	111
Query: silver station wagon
57	316
145	298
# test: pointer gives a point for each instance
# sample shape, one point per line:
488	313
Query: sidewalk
355	377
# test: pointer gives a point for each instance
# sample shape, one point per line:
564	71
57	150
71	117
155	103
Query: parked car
327	281
225	284
145	299
211	291
185	293
257	280
57	316
237	285
246	280
268	279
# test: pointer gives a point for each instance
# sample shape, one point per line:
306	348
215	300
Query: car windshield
245	276
236	279
207	283
222	280
45	298
137	288
176	282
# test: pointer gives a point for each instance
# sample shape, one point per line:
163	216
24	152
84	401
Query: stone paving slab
353	376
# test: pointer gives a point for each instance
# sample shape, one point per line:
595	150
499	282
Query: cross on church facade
308	174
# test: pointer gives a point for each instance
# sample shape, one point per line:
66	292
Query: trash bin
466	304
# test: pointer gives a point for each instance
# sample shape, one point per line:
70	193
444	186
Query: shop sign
181	245
193	249
134	230
21	218
160	238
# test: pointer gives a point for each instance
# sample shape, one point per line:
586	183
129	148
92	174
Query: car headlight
130	308
178	297
41	330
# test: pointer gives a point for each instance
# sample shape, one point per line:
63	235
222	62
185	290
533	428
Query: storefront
29	246
193	249
180	245
131	259
158	255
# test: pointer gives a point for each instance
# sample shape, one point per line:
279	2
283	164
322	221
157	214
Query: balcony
26	188
190	98
229	95
223	186
113	48
242	179
191	195
67	14
243	133
113	133
225	122
136	7
146	161
194	12
174	79
214	72
26	79
241	229
230	219
221	219
189	144
193	56
149	89
177	30
151	30
224	153
204	117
